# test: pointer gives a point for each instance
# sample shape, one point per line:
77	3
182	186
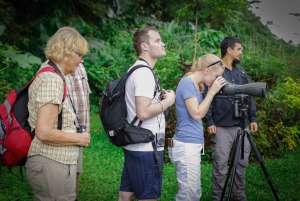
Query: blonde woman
190	109
52	157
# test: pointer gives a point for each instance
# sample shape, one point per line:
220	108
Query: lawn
103	165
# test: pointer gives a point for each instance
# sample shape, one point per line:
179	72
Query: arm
251	109
252	115
47	133
210	124
209	114
145	109
198	111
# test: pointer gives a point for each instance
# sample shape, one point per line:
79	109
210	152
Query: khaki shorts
51	180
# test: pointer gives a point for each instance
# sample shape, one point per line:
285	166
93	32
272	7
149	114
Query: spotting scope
257	89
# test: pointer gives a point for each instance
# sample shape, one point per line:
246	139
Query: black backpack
113	113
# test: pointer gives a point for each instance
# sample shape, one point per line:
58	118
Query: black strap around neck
59	123
144	61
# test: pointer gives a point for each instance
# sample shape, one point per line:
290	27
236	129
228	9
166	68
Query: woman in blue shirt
190	109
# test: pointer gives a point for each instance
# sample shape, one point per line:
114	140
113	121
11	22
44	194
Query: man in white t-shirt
141	177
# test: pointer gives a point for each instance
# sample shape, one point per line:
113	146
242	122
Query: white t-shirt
142	83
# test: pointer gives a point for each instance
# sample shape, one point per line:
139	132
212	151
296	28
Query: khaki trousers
221	143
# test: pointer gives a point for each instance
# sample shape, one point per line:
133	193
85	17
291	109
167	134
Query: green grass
103	165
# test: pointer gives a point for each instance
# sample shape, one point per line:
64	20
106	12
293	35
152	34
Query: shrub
15	64
279	119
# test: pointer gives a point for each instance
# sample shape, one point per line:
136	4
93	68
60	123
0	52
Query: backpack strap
57	71
157	156
157	84
157	87
54	69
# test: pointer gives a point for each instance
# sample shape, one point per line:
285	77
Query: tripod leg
232	168
260	160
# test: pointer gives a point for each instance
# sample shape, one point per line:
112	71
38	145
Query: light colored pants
187	158
79	160
51	180
222	143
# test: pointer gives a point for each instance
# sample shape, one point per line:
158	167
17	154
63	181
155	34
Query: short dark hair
228	42
141	36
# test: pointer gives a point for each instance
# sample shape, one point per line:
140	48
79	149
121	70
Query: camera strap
76	121
159	121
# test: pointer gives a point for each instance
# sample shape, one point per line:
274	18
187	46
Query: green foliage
288	136
279	117
262	68
291	89
110	64
10	69
23	60
209	41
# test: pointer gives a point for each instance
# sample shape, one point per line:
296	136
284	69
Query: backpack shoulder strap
154	74
156	85
54	69
140	123
58	72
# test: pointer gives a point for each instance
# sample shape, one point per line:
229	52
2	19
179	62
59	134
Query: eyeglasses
79	54
215	63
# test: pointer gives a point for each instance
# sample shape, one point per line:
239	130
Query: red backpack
15	131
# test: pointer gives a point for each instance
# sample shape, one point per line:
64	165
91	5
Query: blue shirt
188	129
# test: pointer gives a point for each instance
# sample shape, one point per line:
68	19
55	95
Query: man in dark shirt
223	126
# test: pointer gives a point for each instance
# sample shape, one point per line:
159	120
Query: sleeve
188	90
87	86
252	108
144	82
87	114
49	89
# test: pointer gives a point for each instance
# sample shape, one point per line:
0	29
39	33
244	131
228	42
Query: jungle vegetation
189	29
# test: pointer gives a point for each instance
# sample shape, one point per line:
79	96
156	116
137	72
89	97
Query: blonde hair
63	44
203	62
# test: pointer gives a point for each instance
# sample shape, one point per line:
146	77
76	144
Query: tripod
241	110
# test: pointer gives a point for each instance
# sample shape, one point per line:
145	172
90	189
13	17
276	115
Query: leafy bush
14	71
279	118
